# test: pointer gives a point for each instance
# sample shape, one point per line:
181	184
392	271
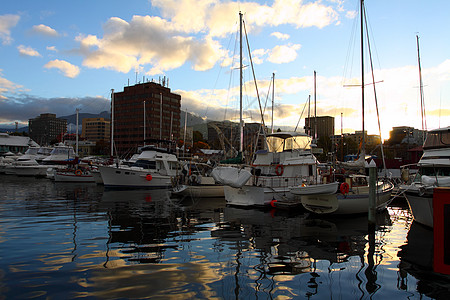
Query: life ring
273	203
149	177
78	172
344	188
279	169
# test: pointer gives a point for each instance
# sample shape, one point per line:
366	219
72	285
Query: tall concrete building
145	111
46	128
325	126
96	129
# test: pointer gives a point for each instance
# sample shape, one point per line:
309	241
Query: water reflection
80	240
416	258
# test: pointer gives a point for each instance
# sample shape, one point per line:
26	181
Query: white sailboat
353	194
196	181
287	161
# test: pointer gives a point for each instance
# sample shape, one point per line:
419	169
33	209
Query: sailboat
76	173
434	167
286	161
352	197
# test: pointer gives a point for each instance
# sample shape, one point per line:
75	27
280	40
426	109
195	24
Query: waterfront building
15	144
96	129
325	126
46	128
406	135
161	120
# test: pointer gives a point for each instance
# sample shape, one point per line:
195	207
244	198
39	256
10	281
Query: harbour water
64	241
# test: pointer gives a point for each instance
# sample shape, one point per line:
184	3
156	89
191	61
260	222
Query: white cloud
6	23
351	14
283	54
7	86
122	47
27	51
281	36
66	68
45	30
169	43
52	48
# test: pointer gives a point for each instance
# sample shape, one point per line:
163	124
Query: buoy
78	172
148	177
344	188
279	170
272	203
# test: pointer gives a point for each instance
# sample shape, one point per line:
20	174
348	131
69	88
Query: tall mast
422	101
315	109
76	149
362	74
184	136
144	123
241	122
112	123
273	95
160	116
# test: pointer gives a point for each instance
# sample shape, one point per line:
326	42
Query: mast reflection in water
79	240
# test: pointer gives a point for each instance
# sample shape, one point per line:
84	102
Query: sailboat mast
144	123
241	122
112	123
422	102
273	95
315	109
76	148
362	73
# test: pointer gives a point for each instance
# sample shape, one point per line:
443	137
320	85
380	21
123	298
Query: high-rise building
46	128
96	129
145	111
325	126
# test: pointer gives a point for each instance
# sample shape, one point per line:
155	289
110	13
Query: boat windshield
32	151
437	139
280	144
62	151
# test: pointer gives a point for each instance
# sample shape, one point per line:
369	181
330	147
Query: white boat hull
250	195
133	177
200	191
37	171
355	202
421	207
326	188
72	177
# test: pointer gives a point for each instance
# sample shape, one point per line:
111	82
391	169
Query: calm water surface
62	241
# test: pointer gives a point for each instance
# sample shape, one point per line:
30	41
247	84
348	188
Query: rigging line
220	71
231	77
254	77
304	106
375	94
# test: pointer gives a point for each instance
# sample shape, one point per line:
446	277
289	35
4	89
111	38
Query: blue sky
61	55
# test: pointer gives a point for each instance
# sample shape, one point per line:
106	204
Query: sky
59	56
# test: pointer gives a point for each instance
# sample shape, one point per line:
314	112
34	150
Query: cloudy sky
57	56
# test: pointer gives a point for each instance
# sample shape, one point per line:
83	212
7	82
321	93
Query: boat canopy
288	141
438	138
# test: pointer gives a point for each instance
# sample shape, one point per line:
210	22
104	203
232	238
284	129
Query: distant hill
72	119
192	120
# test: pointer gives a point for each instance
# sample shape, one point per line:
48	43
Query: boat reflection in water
320	249
65	240
417	259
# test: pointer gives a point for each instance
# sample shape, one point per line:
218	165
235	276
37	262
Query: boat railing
281	181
